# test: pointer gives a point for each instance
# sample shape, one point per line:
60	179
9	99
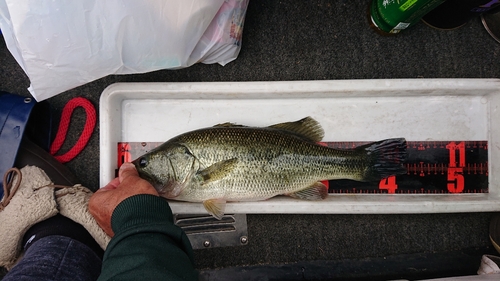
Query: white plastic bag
221	42
62	44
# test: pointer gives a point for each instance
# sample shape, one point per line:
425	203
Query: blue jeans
57	258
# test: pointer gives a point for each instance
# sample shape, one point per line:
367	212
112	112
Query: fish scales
270	162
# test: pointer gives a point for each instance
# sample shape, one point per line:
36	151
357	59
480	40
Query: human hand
127	184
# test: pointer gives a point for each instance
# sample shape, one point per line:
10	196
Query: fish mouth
136	164
160	187
145	176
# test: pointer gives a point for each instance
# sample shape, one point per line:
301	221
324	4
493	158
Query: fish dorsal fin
228	125
215	207
306	127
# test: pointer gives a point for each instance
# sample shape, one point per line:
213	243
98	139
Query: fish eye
143	162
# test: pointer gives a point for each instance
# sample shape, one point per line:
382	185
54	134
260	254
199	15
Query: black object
491	22
31	154
25	131
456	13
14	114
405	266
62	226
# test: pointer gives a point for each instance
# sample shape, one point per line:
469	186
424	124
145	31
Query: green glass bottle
393	16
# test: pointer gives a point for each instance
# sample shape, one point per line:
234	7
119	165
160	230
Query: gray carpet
317	40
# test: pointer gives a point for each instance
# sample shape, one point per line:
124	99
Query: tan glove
73	204
23	205
37	199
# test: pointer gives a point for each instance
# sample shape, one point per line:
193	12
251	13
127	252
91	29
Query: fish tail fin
385	158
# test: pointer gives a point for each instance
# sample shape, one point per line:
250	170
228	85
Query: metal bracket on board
205	231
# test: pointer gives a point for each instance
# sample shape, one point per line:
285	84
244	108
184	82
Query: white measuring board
348	110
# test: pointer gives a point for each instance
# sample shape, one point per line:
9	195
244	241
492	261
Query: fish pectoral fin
215	207
217	171
317	191
307	128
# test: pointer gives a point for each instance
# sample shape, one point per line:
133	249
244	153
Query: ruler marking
433	167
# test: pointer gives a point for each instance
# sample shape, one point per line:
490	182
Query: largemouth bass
231	162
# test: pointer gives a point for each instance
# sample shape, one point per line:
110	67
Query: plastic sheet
63	44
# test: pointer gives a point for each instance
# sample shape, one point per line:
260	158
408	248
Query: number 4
389	184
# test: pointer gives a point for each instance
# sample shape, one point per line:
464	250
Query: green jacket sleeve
147	245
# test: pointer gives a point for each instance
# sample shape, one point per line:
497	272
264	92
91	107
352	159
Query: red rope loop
64	125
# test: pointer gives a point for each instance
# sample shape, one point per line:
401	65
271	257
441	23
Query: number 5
455	180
